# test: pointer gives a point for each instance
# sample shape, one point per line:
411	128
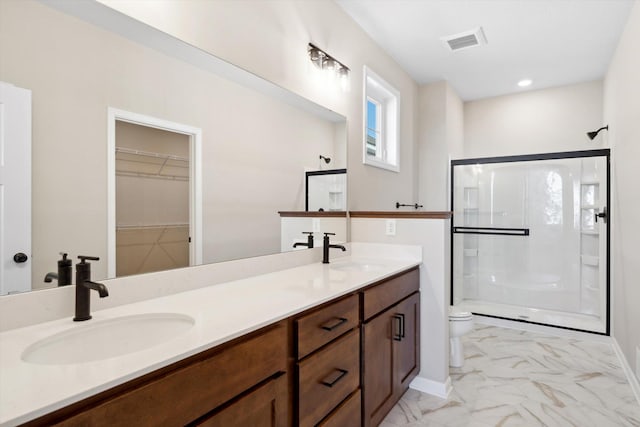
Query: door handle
399	333
20	257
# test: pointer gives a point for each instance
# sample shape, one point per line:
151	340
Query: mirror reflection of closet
152	199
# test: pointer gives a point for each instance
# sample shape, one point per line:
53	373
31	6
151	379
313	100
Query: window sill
382	165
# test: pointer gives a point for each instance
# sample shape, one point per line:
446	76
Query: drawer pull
331	327
399	331
332	381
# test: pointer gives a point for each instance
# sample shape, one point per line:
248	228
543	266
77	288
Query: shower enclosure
530	238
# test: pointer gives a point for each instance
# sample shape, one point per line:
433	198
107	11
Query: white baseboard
440	389
631	377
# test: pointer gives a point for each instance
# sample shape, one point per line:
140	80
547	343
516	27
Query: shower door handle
602	215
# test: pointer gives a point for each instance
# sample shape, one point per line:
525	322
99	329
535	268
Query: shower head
594	133
326	159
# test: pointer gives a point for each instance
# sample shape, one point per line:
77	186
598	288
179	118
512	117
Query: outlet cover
315	225
390	227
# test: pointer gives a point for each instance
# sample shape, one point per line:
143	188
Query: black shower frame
316	173
604	152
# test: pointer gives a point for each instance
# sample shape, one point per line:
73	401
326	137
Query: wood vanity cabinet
344	363
244	380
390	343
328	365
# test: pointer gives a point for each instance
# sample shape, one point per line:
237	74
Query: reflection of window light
553	205
374	130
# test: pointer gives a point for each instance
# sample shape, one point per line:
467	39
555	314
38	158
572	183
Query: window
374	131
381	139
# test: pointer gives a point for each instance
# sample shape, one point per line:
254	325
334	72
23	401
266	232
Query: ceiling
552	42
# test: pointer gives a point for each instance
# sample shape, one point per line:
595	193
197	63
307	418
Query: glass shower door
529	238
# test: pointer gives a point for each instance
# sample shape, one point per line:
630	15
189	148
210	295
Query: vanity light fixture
594	133
525	82
316	55
324	61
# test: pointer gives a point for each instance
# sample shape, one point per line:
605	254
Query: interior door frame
603	152
195	180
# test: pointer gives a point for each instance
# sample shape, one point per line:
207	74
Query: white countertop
222	312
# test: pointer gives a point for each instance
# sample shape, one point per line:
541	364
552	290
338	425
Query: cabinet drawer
321	326
347	414
264	407
328	377
180	396
387	293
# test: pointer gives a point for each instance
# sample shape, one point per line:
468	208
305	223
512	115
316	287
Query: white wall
622	113
433	236
538	121
440	137
269	38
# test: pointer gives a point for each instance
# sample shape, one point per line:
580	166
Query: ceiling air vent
465	40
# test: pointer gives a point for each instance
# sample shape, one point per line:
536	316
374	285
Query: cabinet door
378	388
266	406
407	343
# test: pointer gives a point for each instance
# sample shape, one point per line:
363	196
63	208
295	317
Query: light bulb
329	64
316	56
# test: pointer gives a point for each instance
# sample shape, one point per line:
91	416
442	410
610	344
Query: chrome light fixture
595	133
316	55
324	61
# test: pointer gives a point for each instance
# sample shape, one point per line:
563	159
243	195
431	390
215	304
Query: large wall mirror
116	110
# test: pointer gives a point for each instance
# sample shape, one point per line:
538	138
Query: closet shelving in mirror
150	226
147	164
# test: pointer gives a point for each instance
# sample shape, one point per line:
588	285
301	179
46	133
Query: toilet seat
460	316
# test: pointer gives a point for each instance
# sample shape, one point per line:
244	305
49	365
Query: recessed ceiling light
525	82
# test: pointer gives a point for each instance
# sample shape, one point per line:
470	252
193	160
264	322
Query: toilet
460	323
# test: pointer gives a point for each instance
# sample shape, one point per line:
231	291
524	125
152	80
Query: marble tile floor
520	378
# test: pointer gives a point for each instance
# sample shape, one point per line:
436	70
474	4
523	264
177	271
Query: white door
15	189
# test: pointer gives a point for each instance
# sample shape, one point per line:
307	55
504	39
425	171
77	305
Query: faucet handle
307	232
329	234
84	258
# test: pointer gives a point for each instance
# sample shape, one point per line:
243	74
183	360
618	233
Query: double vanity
318	344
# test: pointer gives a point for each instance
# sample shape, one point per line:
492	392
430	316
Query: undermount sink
363	266
98	340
